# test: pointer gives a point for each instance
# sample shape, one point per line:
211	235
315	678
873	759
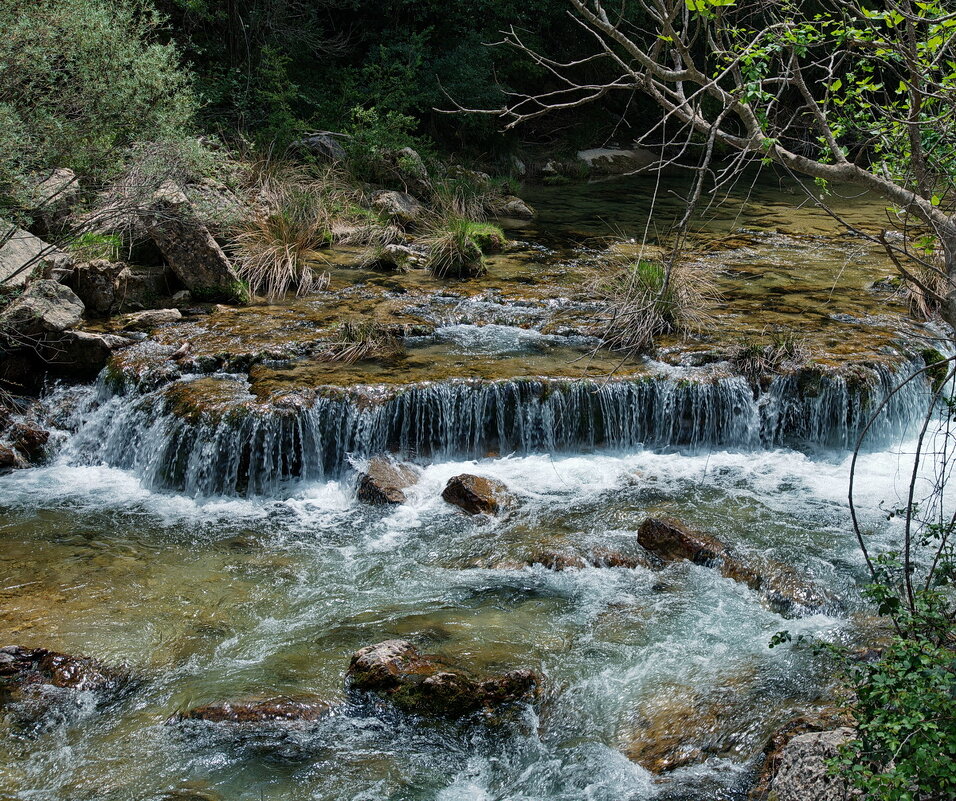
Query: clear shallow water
219	600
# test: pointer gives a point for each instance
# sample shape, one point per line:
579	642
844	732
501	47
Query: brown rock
671	541
8	459
97	283
385	480
81	351
477	495
25	671
273	710
424	684
29	440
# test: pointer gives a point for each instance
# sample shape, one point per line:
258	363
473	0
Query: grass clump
755	358
358	340
453	249
643	299
90	246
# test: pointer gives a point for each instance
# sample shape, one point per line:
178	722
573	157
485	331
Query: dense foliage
80	81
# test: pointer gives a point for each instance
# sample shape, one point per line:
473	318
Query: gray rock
613	161
323	145
53	196
23	256
81	351
400	207
46	307
189	248
803	773
513	208
144	320
98	284
407	165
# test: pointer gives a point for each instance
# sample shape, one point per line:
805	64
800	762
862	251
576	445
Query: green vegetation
364	339
89	246
80	82
454	247
644	299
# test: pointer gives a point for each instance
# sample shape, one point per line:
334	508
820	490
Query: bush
454	249
91	246
81	80
375	139
643	299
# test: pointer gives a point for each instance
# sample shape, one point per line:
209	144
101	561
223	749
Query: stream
215	546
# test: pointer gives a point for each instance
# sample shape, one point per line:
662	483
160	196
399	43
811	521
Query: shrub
453	248
81	80
375	137
643	299
90	246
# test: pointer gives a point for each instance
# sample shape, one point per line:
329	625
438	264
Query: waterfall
246	447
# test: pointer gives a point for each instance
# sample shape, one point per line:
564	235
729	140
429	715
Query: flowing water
215	547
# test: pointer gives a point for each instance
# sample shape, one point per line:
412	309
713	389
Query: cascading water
246	447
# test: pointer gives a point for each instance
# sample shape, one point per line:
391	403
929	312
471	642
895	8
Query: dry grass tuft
356	341
643	299
754	358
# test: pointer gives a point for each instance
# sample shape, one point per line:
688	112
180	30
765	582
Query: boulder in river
616	161
384	481
189	248
81	351
271	710
30	440
477	494
145	320
45	307
671	541
803	774
514	208
424	684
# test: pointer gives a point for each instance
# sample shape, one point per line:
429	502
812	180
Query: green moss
937	367
489	238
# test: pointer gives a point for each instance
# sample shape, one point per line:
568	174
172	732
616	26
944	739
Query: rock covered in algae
803	774
385	480
271	710
671	541
424	684
477	494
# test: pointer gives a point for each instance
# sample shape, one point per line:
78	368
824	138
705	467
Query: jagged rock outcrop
477	494
189	248
97	283
385	480
45	307
423	684
803	774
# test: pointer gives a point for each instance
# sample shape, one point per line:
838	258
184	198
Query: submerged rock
477	495
35	681
783	589
423	684
803	774
272	710
385	480
616	161
681	726
671	541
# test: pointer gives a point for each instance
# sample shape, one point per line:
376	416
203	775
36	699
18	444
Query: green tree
81	80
